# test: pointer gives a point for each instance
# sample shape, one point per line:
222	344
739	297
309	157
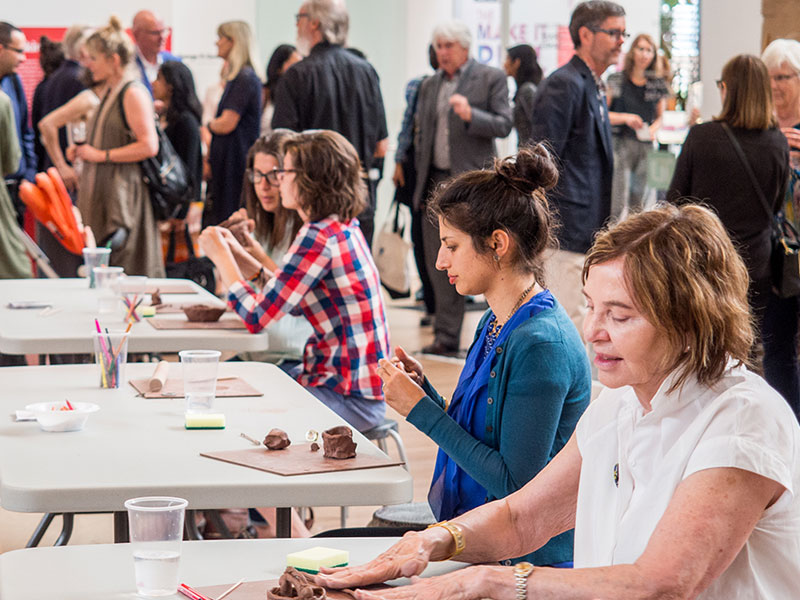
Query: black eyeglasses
299	16
783	78
255	176
279	173
17	50
619	34
720	83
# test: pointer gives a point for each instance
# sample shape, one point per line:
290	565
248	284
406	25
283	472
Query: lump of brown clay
155	298
204	313
337	442
295	584
277	439
314	447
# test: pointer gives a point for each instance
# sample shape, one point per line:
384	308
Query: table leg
66	529
121	527
283	525
40	530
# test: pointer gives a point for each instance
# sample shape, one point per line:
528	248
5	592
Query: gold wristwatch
522	571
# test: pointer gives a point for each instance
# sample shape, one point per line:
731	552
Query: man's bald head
149	34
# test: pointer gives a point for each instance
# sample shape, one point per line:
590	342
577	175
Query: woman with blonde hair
236	125
112	197
636	100
681	478
735	164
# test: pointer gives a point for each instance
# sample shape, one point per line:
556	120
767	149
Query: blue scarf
453	491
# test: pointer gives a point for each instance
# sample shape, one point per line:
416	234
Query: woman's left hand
464	584
90	153
401	393
212	243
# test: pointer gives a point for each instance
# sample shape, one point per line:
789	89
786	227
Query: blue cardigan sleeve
539	385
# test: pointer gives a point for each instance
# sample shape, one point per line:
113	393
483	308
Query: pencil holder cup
111	356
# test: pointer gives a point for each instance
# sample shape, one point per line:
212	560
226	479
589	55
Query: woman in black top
521	64
710	171
636	100
174	86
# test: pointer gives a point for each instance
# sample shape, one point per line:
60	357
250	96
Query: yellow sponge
146	311
205	421
313	559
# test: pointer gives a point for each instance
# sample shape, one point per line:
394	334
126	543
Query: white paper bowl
50	418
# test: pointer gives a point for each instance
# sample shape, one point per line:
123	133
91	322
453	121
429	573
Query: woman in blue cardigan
526	380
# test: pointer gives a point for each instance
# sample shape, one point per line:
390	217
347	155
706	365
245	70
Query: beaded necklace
493	329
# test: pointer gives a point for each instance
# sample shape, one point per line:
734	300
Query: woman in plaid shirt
328	275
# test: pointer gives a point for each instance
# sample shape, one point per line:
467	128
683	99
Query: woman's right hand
69	177
409	364
406	558
70	153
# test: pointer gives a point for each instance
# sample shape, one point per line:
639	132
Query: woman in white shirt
680	479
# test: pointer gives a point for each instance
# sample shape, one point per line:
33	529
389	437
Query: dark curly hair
511	197
329	177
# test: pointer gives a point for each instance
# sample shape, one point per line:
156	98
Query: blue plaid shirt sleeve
308	262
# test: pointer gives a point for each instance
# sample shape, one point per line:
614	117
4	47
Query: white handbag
391	255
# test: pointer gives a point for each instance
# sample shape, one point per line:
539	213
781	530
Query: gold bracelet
458	537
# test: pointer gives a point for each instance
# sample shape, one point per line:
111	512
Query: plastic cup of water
106	281
156	530
95	257
199	378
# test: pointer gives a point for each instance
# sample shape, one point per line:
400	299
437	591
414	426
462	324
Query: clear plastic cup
156	529
106	281
95	257
199	378
131	290
111	356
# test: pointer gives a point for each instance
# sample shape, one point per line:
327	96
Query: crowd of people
679	479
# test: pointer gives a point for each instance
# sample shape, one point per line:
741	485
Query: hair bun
114	23
531	168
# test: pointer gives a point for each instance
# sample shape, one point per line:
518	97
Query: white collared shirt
741	422
150	69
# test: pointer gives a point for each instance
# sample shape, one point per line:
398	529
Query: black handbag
785	255
166	176
199	269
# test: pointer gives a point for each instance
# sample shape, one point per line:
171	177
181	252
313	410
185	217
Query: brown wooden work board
227	387
298	459
184	324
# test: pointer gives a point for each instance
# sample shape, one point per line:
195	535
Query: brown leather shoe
440	348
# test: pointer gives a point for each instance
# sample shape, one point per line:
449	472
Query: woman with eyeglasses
236	125
636	100
782	58
714	168
328	275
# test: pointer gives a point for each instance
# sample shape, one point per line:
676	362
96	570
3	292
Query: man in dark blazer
570	113
460	111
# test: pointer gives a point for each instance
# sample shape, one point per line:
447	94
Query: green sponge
205	421
311	560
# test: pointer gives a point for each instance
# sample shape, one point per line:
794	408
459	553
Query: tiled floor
15	528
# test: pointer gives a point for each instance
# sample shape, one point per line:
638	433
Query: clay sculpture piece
295	584
277	439
337	442
204	313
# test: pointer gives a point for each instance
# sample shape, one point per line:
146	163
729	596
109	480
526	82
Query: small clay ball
337	442
203	313
296	584
277	439
315	447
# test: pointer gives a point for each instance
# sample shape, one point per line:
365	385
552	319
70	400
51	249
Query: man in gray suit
460	111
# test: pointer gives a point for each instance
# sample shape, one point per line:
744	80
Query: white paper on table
24	415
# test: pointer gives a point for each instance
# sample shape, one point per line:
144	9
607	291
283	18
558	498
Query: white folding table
139	447
68	326
105	572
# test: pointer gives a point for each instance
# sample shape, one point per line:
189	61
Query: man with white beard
332	88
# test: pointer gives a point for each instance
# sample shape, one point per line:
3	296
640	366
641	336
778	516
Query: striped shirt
329	276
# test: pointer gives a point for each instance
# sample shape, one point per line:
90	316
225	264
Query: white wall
727	28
